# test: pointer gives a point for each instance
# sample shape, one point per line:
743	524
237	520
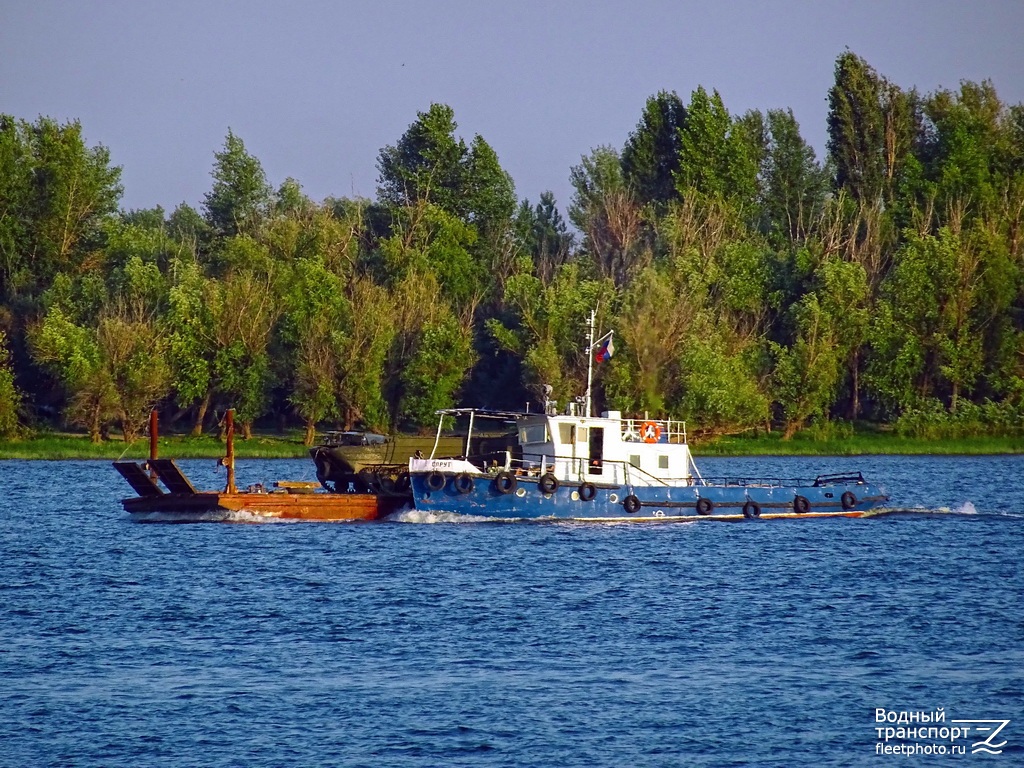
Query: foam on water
428	518
225	516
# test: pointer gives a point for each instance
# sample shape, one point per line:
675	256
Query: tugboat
575	466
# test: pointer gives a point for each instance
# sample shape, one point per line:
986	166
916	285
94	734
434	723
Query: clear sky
315	89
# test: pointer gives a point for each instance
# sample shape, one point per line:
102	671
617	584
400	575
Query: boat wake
967	509
427	518
191	517
243	516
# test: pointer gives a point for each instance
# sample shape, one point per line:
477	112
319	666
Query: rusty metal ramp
172	477
138	478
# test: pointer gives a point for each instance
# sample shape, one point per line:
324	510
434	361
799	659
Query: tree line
750	285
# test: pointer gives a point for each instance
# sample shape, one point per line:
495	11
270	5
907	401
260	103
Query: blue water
410	644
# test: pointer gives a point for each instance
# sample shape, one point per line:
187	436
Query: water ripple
432	641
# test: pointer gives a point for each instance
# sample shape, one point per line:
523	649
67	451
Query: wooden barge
165	494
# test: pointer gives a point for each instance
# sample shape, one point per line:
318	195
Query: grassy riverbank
289	446
868	443
70	446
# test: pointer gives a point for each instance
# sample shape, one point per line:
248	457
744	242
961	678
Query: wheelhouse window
663	462
533	433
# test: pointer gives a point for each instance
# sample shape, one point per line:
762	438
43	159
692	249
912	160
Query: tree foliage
749	285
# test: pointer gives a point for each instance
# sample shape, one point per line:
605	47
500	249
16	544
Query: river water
420	642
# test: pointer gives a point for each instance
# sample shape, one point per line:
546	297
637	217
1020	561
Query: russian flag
606	351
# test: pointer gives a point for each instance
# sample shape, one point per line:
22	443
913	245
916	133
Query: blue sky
315	89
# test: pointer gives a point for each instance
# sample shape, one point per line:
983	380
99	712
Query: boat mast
590	361
591	345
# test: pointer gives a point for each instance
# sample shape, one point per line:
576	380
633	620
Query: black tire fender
705	506
848	500
505	482
548	483
588	491
801	505
751	509
463	483
631	504
436	481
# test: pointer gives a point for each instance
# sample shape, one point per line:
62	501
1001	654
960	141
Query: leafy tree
427	164
605	209
721	381
655	322
651	157
190	326
546	328
970	155
17	162
189	228
872	127
544	235
54	194
430	240
794	185
10	396
113	371
719	157
361	386
491	197
246	308
435	371
134	351
927	339
807	374
240	195
432	182
315	321
73	354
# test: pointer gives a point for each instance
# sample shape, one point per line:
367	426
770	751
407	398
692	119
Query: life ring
751	509
435	481
463	483
588	491
631	504
650	432
705	506
849	500
548	483
801	505
504	482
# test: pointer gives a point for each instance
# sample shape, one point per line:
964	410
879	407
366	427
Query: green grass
70	446
59	445
860	443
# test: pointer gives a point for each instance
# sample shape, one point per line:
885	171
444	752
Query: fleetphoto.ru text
916	732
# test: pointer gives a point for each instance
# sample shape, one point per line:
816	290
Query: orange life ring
650	432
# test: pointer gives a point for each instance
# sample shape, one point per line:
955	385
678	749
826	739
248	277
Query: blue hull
484	498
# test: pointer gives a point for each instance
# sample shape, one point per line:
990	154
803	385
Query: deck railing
577	470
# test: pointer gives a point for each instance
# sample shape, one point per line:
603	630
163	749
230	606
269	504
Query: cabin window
565	434
533	433
596	450
634	459
663	462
